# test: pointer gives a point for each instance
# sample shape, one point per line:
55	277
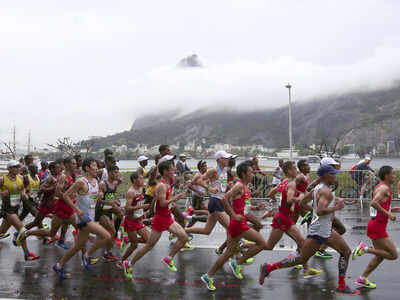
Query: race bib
372	212
139	212
224	184
34	193
315	217
109	197
15	199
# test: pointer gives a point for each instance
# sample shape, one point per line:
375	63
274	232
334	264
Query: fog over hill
361	118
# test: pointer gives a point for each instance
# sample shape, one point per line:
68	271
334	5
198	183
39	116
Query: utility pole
29	142
14	145
289	87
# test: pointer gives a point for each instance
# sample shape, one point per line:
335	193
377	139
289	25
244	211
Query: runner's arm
272	193
291	192
129	199
208	176
313	184
60	186
194	182
325	197
100	194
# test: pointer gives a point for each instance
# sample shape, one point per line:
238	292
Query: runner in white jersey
218	183
320	232
86	190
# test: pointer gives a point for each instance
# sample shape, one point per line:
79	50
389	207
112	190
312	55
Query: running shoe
61	244
188	246
365	283
109	257
14	240
298	267
4	235
249	261
347	291
236	269
170	264
21	236
263	273
86	262
125	242
48	241
323	254
209	282
358	251
118	242
45	226
31	256
119	264
312	273
60	272
171	236
307	217
219	251
128	270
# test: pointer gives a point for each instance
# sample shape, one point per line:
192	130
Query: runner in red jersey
283	221
47	203
383	246
162	220
238	227
63	213
134	214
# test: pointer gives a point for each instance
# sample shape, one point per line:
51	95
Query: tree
10	149
68	147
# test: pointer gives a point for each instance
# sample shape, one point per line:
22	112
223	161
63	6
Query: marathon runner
320	232
162	220
63	213
282	222
107	204
12	192
218	182
86	190
32	184
134	215
381	212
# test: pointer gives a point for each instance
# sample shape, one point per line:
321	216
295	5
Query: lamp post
288	86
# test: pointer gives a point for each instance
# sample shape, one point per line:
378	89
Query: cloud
250	85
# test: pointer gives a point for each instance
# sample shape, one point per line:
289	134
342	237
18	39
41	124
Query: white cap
234	156
12	163
142	158
222	154
367	157
167	158
328	161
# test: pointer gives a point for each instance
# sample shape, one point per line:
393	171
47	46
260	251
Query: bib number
224	184
109	197
372	212
315	217
15	199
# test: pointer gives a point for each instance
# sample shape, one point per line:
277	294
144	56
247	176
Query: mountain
354	118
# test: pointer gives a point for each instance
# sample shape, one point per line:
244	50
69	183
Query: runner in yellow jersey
12	193
32	185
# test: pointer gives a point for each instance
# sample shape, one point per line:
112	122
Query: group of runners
83	194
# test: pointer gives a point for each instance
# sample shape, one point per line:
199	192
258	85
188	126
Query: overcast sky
83	68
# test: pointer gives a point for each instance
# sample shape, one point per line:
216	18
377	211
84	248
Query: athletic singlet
321	225
33	187
239	203
221	183
109	195
138	200
199	188
70	182
377	215
164	211
14	187
84	201
285	207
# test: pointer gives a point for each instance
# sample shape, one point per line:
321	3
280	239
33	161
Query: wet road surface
152	279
